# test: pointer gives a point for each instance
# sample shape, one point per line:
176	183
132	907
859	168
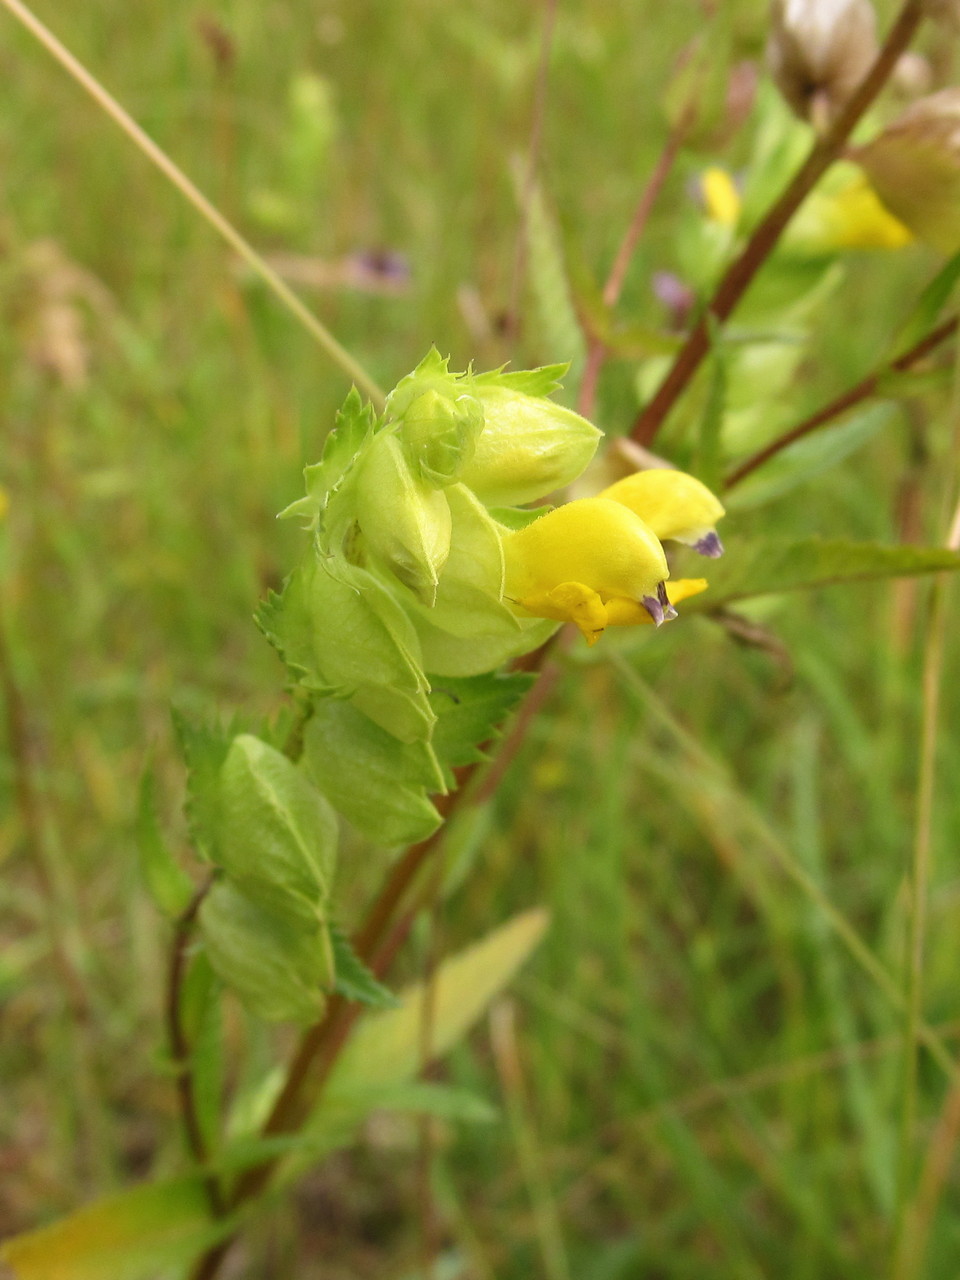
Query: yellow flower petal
628	613
720	197
571	602
675	505
850	216
593	541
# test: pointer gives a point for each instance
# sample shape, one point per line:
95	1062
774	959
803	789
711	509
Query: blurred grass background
697	1080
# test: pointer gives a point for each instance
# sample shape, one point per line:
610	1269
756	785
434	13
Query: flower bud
405	523
819	51
528	447
439	434
914	165
581	560
676	506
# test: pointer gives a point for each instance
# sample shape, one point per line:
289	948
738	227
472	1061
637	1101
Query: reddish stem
764	239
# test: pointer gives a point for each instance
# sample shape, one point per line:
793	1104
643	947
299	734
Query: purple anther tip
654	608
709	545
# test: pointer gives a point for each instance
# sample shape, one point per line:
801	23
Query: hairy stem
764	239
384	930
192	193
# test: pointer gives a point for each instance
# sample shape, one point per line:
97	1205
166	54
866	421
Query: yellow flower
845	215
843	212
721	198
676	506
592	562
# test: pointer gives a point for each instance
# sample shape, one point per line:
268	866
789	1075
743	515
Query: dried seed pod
819	51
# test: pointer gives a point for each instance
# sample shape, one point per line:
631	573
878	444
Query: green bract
278	836
404	521
528	448
440	434
402	585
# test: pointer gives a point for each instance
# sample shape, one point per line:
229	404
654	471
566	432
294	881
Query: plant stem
175	175
180	1044
764	239
855	395
384	930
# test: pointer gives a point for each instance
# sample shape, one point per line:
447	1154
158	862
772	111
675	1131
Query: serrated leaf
470	712
432	371
378	783
354	979
139	1234
204	750
166	881
772	567
278	837
276	964
348	637
924	315
531	382
354	425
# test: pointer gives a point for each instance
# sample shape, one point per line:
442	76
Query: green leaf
204	750
771	567
378	783
202	1015
278	834
139	1234
387	1048
924	315
809	457
445	1102
166	881
348	637
558	328
278	966
385	1054
354	979
423	1097
470	712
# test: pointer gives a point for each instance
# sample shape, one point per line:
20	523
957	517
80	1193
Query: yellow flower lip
583	559
675	505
